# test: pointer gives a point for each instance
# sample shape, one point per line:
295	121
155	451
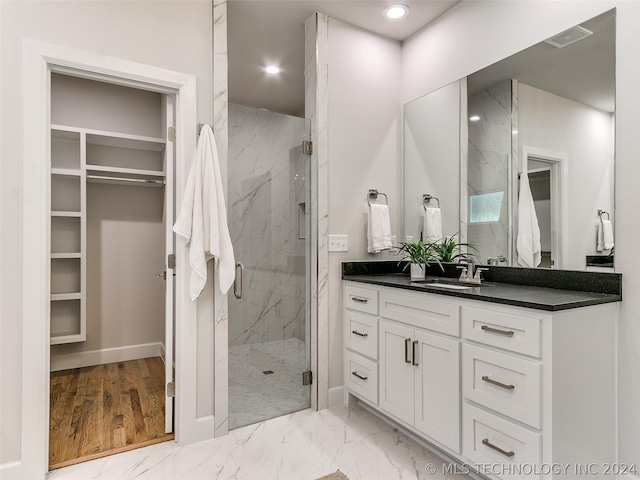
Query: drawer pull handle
361	300
359	376
414	362
499	384
407	341
497	449
508	333
356	332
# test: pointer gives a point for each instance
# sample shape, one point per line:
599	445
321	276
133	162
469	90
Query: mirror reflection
536	149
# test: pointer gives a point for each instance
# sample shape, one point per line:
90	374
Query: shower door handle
237	292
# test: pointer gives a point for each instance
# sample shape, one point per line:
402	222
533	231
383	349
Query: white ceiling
265	31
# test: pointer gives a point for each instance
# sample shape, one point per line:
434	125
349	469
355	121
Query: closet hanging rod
143	181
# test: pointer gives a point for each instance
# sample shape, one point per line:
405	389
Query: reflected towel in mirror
528	242
605	236
432	228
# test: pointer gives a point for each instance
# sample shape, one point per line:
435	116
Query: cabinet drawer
361	299
503	383
503	330
361	376
421	311
361	333
502	446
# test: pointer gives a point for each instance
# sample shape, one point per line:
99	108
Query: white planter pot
418	271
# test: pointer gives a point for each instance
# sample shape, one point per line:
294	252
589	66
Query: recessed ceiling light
272	70
474	118
394	12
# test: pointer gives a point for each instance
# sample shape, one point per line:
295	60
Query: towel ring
373	195
426	199
602	212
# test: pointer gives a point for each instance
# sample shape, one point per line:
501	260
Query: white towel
528	242
379	229
605	236
203	219
432	227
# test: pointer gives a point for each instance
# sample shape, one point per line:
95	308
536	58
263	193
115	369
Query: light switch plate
338	243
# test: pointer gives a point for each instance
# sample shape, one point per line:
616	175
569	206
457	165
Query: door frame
558	162
39	61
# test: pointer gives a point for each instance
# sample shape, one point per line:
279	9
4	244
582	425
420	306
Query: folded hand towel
379	229
528	241
605	236
203	219
432	228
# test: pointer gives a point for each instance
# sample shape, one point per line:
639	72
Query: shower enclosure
269	222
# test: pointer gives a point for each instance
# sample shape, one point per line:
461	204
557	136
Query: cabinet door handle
407	341
487	379
414	362
497	449
356	374
508	333
361	300
355	332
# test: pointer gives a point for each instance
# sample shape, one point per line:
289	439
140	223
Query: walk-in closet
111	308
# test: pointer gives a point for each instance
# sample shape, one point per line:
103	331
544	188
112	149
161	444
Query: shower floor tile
255	396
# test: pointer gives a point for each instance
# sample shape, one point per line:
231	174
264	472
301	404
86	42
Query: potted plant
448	250
418	254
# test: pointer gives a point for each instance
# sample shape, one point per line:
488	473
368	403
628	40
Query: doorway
269	221
111	311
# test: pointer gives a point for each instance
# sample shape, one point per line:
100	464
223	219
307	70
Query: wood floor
105	409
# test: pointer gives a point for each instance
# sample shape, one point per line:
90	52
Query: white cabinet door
437	388
397	372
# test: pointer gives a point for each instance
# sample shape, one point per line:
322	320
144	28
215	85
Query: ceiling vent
568	37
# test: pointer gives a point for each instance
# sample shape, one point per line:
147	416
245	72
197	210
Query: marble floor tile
255	396
299	446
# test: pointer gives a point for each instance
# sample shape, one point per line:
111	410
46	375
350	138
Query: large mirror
547	112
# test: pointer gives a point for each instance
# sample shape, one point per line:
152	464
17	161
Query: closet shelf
66	172
55	297
58	213
126	171
57	339
66	255
115	139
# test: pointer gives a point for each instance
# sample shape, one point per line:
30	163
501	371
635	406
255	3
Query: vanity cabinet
489	384
415	369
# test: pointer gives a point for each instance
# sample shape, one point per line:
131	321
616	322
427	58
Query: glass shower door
268	195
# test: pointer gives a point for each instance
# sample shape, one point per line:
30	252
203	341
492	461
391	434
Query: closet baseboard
107	355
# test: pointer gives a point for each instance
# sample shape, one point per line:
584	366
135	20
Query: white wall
473	35
364	142
175	35
585	134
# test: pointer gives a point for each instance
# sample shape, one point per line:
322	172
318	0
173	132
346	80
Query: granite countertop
535	292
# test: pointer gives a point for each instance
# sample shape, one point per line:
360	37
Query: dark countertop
538	294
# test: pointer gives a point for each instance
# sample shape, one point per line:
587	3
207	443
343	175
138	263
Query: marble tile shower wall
488	166
266	172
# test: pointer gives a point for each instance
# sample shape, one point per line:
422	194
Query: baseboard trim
336	396
12	471
106	355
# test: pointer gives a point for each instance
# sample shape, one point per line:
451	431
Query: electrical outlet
338	243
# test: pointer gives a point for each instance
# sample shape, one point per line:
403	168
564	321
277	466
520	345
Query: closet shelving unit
78	156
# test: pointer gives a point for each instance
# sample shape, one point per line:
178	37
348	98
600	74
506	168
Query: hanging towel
528	241
605	235
203	219
379	229
432	228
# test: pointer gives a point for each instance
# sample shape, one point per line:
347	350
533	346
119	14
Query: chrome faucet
496	260
471	273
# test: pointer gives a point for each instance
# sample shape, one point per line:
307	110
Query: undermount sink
450	283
